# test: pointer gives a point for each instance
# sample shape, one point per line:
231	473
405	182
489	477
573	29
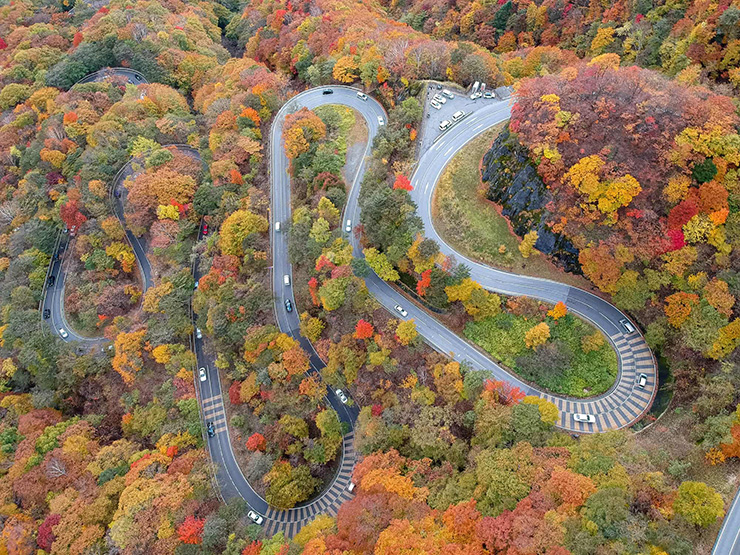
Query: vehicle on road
198	333
47	314
381	121
196	285
457	116
488	94
436	105
288	305
401	310
351	487
202	374
51	281
137	77
362	96
341	395
256	518
348	226
327	91
277	227
445	125
642	381
627	325
205	229
588	418
211	429
63	333
286	280
448	94
117	193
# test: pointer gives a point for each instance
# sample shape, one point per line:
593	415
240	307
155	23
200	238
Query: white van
457	116
286	280
444	125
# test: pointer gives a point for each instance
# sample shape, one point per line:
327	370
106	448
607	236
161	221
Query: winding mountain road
623	405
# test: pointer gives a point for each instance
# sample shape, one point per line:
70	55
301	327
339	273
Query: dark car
47	314
51	281
439	86
211	430
288	305
117	193
205	229
327	91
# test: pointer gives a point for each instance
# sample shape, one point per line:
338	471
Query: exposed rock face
514	184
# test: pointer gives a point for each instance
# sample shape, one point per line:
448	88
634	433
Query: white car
380	121
198	333
642	381
439	98
348	226
286	280
436	105
627	325
448	94
589	418
444	125
196	285
256	518
362	96
457	116
277	226
341	395
202	374
351	487
475	95
63	333
401	310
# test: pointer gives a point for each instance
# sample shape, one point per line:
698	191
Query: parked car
198	333
642	381
381	121
351	487
439	85
489	94
205	229
256	518
211	429
286	280
202	374
439	98
401	310
445	125
436	105
448	94
51	281
327	91
288	305
457	116
348	226
627	325
361	96
63	333
47	314
589	418
341	395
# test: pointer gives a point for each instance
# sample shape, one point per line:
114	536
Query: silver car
342	397
63	333
401	310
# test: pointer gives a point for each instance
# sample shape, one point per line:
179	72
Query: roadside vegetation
474	226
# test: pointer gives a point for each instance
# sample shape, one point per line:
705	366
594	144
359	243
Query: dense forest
626	112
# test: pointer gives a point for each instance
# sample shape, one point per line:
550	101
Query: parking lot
433	117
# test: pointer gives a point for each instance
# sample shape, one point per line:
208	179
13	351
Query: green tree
699	503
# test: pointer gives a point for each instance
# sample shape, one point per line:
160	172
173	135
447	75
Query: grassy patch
472	225
576	360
